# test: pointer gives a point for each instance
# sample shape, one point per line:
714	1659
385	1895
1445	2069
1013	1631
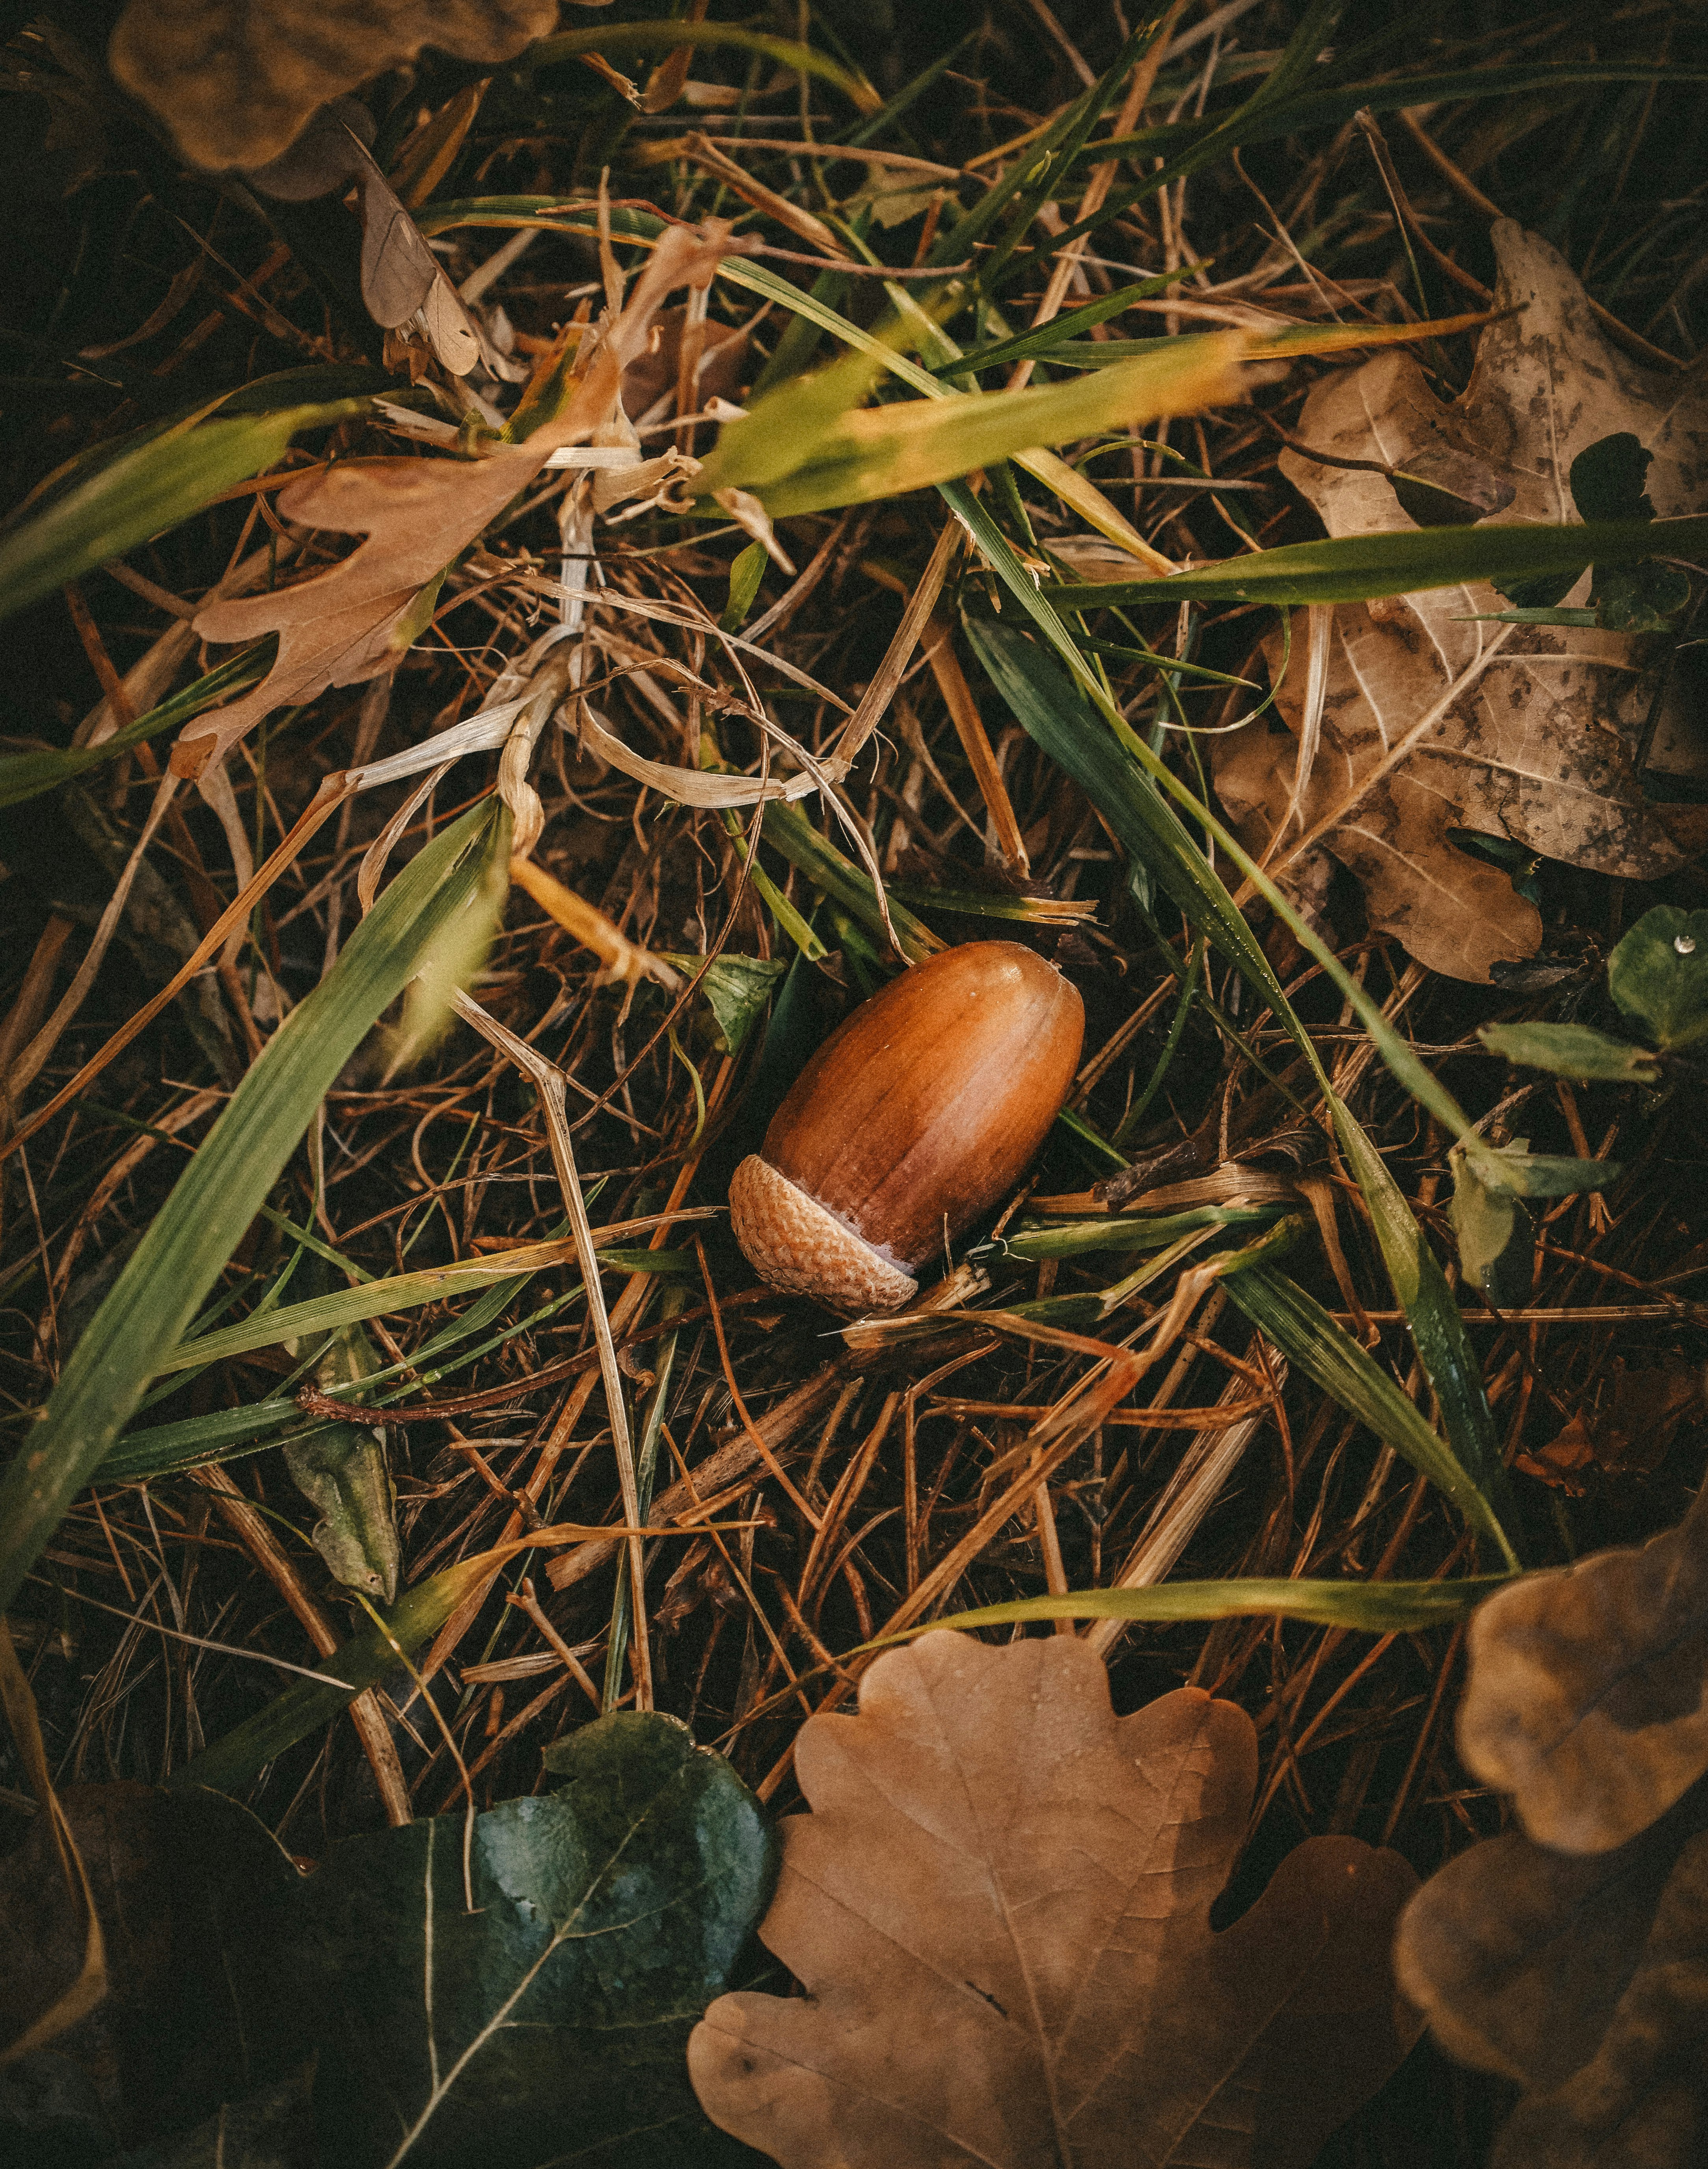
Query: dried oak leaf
234	80
1430	723
999	1908
1586	1695
418	516
1586	1979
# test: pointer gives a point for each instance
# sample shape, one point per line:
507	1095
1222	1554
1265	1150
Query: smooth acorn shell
926	1104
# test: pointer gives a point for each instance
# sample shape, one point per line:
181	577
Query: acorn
916	1116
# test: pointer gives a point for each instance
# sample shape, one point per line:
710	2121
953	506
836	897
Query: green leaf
1573	1050
142	493
1328	1356
224	1186
1370	1608
1493	1228
1658	975
1359	567
745	576
343	1470
738	990
548	2024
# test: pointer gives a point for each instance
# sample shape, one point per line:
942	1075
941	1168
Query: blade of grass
1370	1608
28	775
1126	781
142	493
220	1191
1326	1353
670	37
1359	567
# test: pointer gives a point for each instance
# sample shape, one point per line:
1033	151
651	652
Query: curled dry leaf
1430	722
1587	1693
418	515
999	1908
234	80
1582	1978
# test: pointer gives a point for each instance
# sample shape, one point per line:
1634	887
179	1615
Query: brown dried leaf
1586	1979
234	80
1587	1693
418	516
1430	723
1630	1432
999	1909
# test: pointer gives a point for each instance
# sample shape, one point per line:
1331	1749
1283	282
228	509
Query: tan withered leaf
337	628
1522	732
1587	1692
234	80
1585	1979
999	1908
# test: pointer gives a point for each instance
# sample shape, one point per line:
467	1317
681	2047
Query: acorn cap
921	1110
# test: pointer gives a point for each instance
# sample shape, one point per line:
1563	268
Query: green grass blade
788	830
1369	1608
657	37
142	493
1326	1353
1125	1231
1048	337
28	775
857	455
1360	568
363	1660
1191	141
224	1186
1125	780
353	1306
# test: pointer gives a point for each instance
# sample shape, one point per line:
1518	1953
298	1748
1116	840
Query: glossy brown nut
914	1117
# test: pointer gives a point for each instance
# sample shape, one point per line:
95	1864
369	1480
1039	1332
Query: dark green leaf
548	2024
1358	568
190	1890
271	2130
738	990
1658	975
